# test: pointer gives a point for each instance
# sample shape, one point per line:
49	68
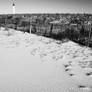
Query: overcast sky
47	6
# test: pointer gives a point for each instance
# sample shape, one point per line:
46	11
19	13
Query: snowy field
31	63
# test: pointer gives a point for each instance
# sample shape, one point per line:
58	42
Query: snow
31	63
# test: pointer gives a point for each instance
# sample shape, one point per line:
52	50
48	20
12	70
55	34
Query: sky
46	6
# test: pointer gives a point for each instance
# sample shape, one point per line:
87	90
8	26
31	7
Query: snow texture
31	63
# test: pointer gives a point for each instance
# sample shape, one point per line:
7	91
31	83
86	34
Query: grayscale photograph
45	45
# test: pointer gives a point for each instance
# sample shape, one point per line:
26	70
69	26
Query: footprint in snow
71	74
89	74
68	68
83	87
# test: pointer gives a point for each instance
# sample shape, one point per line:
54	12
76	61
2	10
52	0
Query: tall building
13	5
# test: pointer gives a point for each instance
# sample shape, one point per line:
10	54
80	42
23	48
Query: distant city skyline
46	6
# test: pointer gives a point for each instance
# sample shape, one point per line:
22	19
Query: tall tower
13	6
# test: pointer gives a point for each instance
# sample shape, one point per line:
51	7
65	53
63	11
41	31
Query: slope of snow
31	63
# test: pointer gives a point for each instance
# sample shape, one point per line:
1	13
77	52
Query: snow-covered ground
31	63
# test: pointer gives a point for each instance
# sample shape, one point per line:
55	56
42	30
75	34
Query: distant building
13	6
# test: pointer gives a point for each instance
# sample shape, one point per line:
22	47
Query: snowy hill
31	63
